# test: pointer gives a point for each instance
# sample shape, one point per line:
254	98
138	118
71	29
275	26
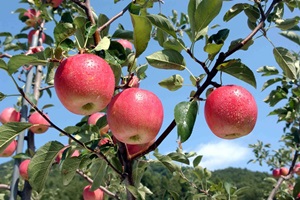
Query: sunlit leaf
3	64
167	59
287	23
234	11
286	61
162	23
9	131
267	70
291	35
103	44
239	70
270	82
41	164
185	114
63	31
172	83
16	61
197	160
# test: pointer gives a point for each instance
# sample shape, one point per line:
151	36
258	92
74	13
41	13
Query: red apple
133	149
297	169
10	149
276	173
39	123
125	43
54	3
9	115
284	171
230	111
135	116
93	118
23	169
84	83
32	32
97	194
75	153
103	141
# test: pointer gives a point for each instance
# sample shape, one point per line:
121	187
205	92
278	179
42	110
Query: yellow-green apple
133	149
9	115
230	111
276	173
33	18
23	169
54	3
97	194
33	32
39	123
125	43
10	149
84	83
297	169
135	116
284	171
93	118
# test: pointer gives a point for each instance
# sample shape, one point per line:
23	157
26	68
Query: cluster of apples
284	171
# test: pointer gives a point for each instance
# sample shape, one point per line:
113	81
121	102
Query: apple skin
230	112
133	149
10	149
31	33
40	124
135	116
9	115
54	3
93	118
284	171
276	173
84	83
97	194
75	153
297	169
23	169
125	43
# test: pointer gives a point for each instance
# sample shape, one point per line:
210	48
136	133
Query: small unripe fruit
10	149
97	194
135	116
9	115
40	124
93	118
84	83
230	111
23	169
125	43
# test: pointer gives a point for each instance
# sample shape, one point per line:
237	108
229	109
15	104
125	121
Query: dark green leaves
172	83
15	62
167	59
63	31
9	131
185	115
162	23
237	69
41	164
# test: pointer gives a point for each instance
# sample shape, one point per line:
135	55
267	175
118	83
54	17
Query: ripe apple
9	115
97	194
32	32
133	149
39	123
276	173
297	169
54	3
84	83
10	149
75	153
135	116
23	169
33	17
230	111
93	118
125	43
284	171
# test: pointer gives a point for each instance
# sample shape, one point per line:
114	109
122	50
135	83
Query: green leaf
3	64
291	35
197	160
287	23
138	171
9	131
2	96
270	82
90	30
63	31
162	23
41	164
179	157
185	115
103	44
296	189
286	61
236	42
239	70
124	34
167	59
68	170
212	49
192	7
206	11
252	13
172	83
102	19
15	62
141	33
167	162
98	177
175	44
267	70
234	11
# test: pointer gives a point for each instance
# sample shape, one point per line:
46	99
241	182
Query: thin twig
198	61
86	177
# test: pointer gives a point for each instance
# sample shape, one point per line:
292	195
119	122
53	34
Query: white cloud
219	155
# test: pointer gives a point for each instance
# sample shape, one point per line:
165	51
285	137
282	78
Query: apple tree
95	73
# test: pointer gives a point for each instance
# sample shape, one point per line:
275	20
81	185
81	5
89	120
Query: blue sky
218	153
